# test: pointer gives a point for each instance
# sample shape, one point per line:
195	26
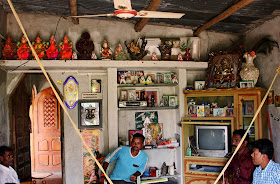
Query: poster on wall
145	117
90	168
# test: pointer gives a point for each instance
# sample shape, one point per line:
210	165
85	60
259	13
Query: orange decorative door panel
47	145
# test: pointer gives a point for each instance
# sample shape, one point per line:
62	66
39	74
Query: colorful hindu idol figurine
52	50
9	49
66	48
23	49
105	50
39	47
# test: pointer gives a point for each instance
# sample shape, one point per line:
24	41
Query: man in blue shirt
131	162
268	171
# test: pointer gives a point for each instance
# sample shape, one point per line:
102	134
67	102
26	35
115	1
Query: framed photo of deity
90	114
223	70
95	85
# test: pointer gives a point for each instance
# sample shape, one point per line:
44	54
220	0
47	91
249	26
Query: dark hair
241	132
139	135
265	146
3	149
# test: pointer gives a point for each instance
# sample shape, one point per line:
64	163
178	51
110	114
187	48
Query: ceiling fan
125	11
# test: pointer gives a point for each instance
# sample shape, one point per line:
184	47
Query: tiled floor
55	178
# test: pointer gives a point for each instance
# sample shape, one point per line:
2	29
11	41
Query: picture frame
223	69
165	101
173	101
96	85
277	100
249	107
138	95
152	98
229	112
123	95
199	85
270	97
131	95
90	114
191	109
160	78
131	133
251	131
246	84
167	78
219	112
200	110
206	110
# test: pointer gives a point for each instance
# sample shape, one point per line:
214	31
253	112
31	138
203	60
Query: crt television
212	141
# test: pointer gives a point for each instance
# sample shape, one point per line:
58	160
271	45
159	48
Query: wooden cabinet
244	102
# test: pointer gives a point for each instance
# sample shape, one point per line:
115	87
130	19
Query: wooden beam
74	11
222	16
154	4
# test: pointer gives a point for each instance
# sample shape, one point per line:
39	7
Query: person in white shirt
7	173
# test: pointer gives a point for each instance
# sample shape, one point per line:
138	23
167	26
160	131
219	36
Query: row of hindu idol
46	50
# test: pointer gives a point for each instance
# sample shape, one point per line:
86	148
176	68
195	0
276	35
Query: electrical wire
59	20
20	65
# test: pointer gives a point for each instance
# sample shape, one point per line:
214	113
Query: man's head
137	142
263	152
6	156
237	136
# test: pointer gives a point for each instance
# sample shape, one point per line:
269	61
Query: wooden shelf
146	108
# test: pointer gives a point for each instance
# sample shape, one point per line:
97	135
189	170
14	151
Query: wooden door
21	131
47	145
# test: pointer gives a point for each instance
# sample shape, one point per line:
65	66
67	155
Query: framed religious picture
198	85
251	131
71	92
229	112
249	107
173	101
223	70
246	84
219	112
95	85
90	114
167	78
270	97
123	95
277	100
131	133
131	95
165	100
160	78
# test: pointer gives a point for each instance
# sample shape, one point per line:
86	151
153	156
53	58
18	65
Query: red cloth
242	168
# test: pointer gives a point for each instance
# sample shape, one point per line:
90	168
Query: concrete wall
114	32
4	124
267	65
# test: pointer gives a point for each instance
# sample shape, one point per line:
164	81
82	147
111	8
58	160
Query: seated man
268	171
7	173
131	162
241	166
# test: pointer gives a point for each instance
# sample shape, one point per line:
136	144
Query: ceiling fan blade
157	14
122	4
98	15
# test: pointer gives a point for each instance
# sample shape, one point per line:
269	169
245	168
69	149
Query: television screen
211	139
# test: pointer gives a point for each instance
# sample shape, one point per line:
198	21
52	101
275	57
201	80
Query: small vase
187	56
249	72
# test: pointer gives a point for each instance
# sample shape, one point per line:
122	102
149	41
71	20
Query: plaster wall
267	65
114	32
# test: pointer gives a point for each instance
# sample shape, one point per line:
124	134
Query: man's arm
102	176
134	176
